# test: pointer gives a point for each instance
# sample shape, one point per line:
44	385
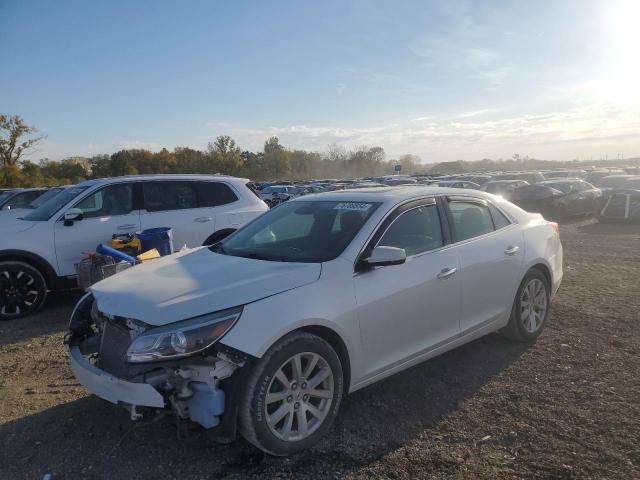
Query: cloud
133	144
591	130
340	88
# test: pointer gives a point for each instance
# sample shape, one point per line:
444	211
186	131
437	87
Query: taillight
555	226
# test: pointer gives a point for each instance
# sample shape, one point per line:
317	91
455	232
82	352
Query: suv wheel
22	290
292	396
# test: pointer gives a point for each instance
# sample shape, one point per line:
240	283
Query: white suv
39	251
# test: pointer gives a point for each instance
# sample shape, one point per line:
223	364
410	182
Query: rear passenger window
163	196
213	194
499	219
416	230
469	219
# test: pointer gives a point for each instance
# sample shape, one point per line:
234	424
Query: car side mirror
383	257
72	215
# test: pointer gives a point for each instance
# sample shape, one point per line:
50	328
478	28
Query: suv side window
162	196
116	199
213	194
417	230
469	219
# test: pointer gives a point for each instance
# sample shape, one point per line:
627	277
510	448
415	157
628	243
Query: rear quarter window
214	194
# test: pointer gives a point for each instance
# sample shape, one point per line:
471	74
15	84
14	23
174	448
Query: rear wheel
22	290
293	395
530	308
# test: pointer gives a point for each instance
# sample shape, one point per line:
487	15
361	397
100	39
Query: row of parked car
612	194
43	240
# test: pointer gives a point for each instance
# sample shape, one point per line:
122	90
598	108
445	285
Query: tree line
223	155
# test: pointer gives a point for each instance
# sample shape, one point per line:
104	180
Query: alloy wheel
533	305
17	292
299	396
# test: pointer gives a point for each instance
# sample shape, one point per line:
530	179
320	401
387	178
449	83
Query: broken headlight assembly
182	339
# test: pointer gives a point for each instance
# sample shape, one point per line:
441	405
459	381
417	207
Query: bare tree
16	138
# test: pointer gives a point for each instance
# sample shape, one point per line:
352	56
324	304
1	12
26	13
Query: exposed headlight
181	339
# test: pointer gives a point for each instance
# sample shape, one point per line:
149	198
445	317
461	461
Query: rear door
223	205
490	250
106	211
174	203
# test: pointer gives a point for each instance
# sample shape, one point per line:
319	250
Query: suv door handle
511	250
446	273
203	219
127	226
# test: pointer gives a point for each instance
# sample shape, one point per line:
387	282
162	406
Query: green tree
16	138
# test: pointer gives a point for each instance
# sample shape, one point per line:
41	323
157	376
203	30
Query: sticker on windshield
356	206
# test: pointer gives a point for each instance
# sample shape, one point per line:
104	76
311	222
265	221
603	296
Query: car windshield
45	211
45	197
563	187
5	196
309	232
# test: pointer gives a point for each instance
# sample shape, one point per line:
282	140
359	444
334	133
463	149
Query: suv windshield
45	197
299	232
45	211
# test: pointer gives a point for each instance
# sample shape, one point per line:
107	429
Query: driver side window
108	201
416	231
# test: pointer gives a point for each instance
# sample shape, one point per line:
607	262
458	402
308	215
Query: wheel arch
546	271
36	261
335	340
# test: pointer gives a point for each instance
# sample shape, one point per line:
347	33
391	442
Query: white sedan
319	297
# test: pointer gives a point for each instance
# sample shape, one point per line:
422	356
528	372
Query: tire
277	427
526	324
23	290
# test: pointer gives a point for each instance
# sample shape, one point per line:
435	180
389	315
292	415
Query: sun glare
622	83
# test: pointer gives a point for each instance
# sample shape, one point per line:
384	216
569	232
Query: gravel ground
566	407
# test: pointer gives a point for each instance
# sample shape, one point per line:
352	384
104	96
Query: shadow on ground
53	318
90	438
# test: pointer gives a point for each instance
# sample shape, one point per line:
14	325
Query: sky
445	80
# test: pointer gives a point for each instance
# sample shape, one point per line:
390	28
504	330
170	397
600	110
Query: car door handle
511	250
127	226
203	219
446	273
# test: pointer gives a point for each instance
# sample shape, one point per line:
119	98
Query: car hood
196	282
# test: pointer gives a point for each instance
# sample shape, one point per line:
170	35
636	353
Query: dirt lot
567	407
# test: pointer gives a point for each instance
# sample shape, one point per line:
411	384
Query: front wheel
530	308
22	290
293	395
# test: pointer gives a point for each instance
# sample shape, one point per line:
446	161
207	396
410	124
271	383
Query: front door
408	309
106	211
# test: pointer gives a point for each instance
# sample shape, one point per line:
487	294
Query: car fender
264	322
543	247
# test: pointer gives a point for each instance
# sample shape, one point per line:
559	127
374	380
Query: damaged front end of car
178	368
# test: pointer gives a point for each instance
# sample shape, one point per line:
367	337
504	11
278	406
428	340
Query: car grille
113	350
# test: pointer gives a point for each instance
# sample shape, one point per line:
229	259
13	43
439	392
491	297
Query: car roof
513	180
165	176
390	194
561	180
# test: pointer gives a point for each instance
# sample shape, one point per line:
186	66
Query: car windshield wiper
218	248
256	256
